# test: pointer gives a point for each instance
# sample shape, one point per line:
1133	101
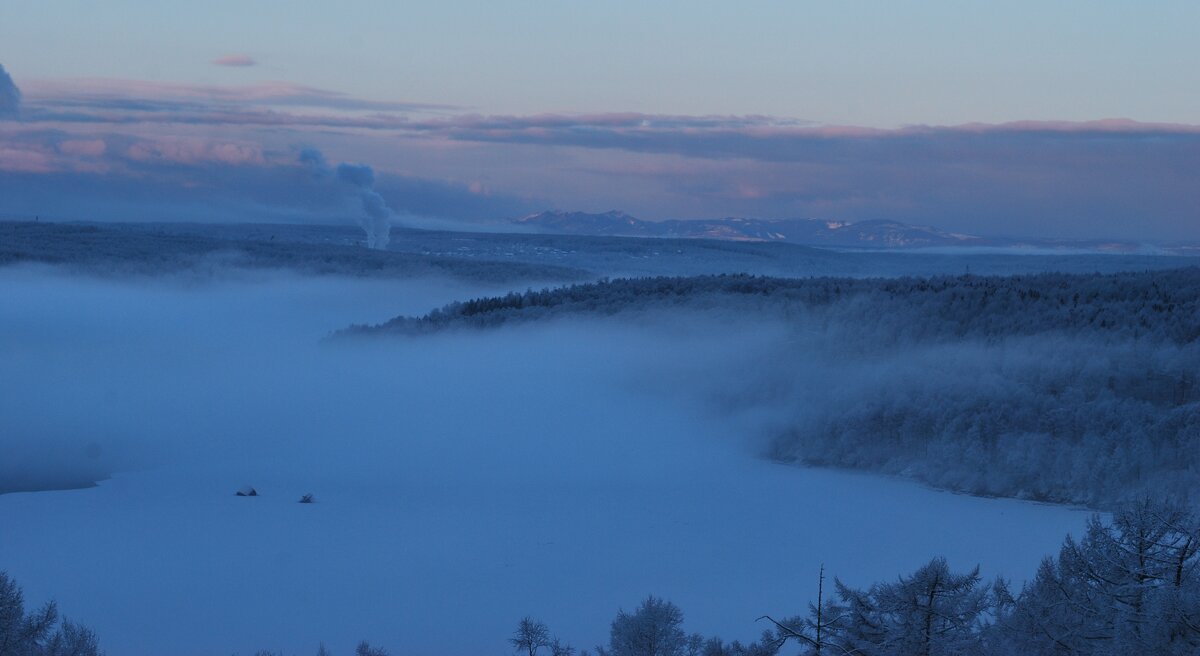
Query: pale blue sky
860	63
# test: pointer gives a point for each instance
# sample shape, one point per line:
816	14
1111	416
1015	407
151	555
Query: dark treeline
1128	585
1069	388
149	250
1159	304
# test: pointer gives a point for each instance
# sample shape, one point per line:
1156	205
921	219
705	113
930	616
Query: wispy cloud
24	160
50	151
755	137
237	61
764	138
140	96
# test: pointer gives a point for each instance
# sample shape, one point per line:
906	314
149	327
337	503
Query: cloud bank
1100	179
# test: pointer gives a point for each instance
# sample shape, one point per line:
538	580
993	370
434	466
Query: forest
1076	388
1155	304
207	251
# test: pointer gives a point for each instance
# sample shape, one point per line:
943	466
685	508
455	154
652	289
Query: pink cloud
23	160
36	152
83	147
141	95
746	190
1107	125
1095	177
290	105
237	61
195	152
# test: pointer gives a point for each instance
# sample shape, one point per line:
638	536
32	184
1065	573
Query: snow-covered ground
462	481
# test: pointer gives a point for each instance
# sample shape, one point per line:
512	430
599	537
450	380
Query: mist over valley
599	329
632	436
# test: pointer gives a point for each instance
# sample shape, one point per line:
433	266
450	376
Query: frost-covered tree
34	634
1131	586
1056	387
1127	586
560	648
530	636
533	636
654	629
364	648
816	632
933	612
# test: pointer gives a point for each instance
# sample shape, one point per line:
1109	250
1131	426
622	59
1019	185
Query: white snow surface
462	481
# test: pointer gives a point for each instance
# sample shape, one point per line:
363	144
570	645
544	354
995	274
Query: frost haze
563	470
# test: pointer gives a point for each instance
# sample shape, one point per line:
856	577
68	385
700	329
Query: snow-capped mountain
880	234
612	224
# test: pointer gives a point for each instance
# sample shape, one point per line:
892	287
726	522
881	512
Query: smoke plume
376	219
10	95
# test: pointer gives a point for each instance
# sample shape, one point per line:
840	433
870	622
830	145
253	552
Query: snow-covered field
462	480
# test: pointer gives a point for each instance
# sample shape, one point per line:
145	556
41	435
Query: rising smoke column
10	95
376	219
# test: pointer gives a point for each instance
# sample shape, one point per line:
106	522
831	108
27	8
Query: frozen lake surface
462	481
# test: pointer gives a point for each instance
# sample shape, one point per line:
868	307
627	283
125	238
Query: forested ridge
1153	303
1058	387
137	250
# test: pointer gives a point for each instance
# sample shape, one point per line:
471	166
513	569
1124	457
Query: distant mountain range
813	232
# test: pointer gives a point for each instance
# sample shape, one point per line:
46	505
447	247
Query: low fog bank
1068	388
562	469
105	374
49	464
1051	417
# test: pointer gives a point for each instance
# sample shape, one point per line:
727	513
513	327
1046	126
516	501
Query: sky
1066	119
